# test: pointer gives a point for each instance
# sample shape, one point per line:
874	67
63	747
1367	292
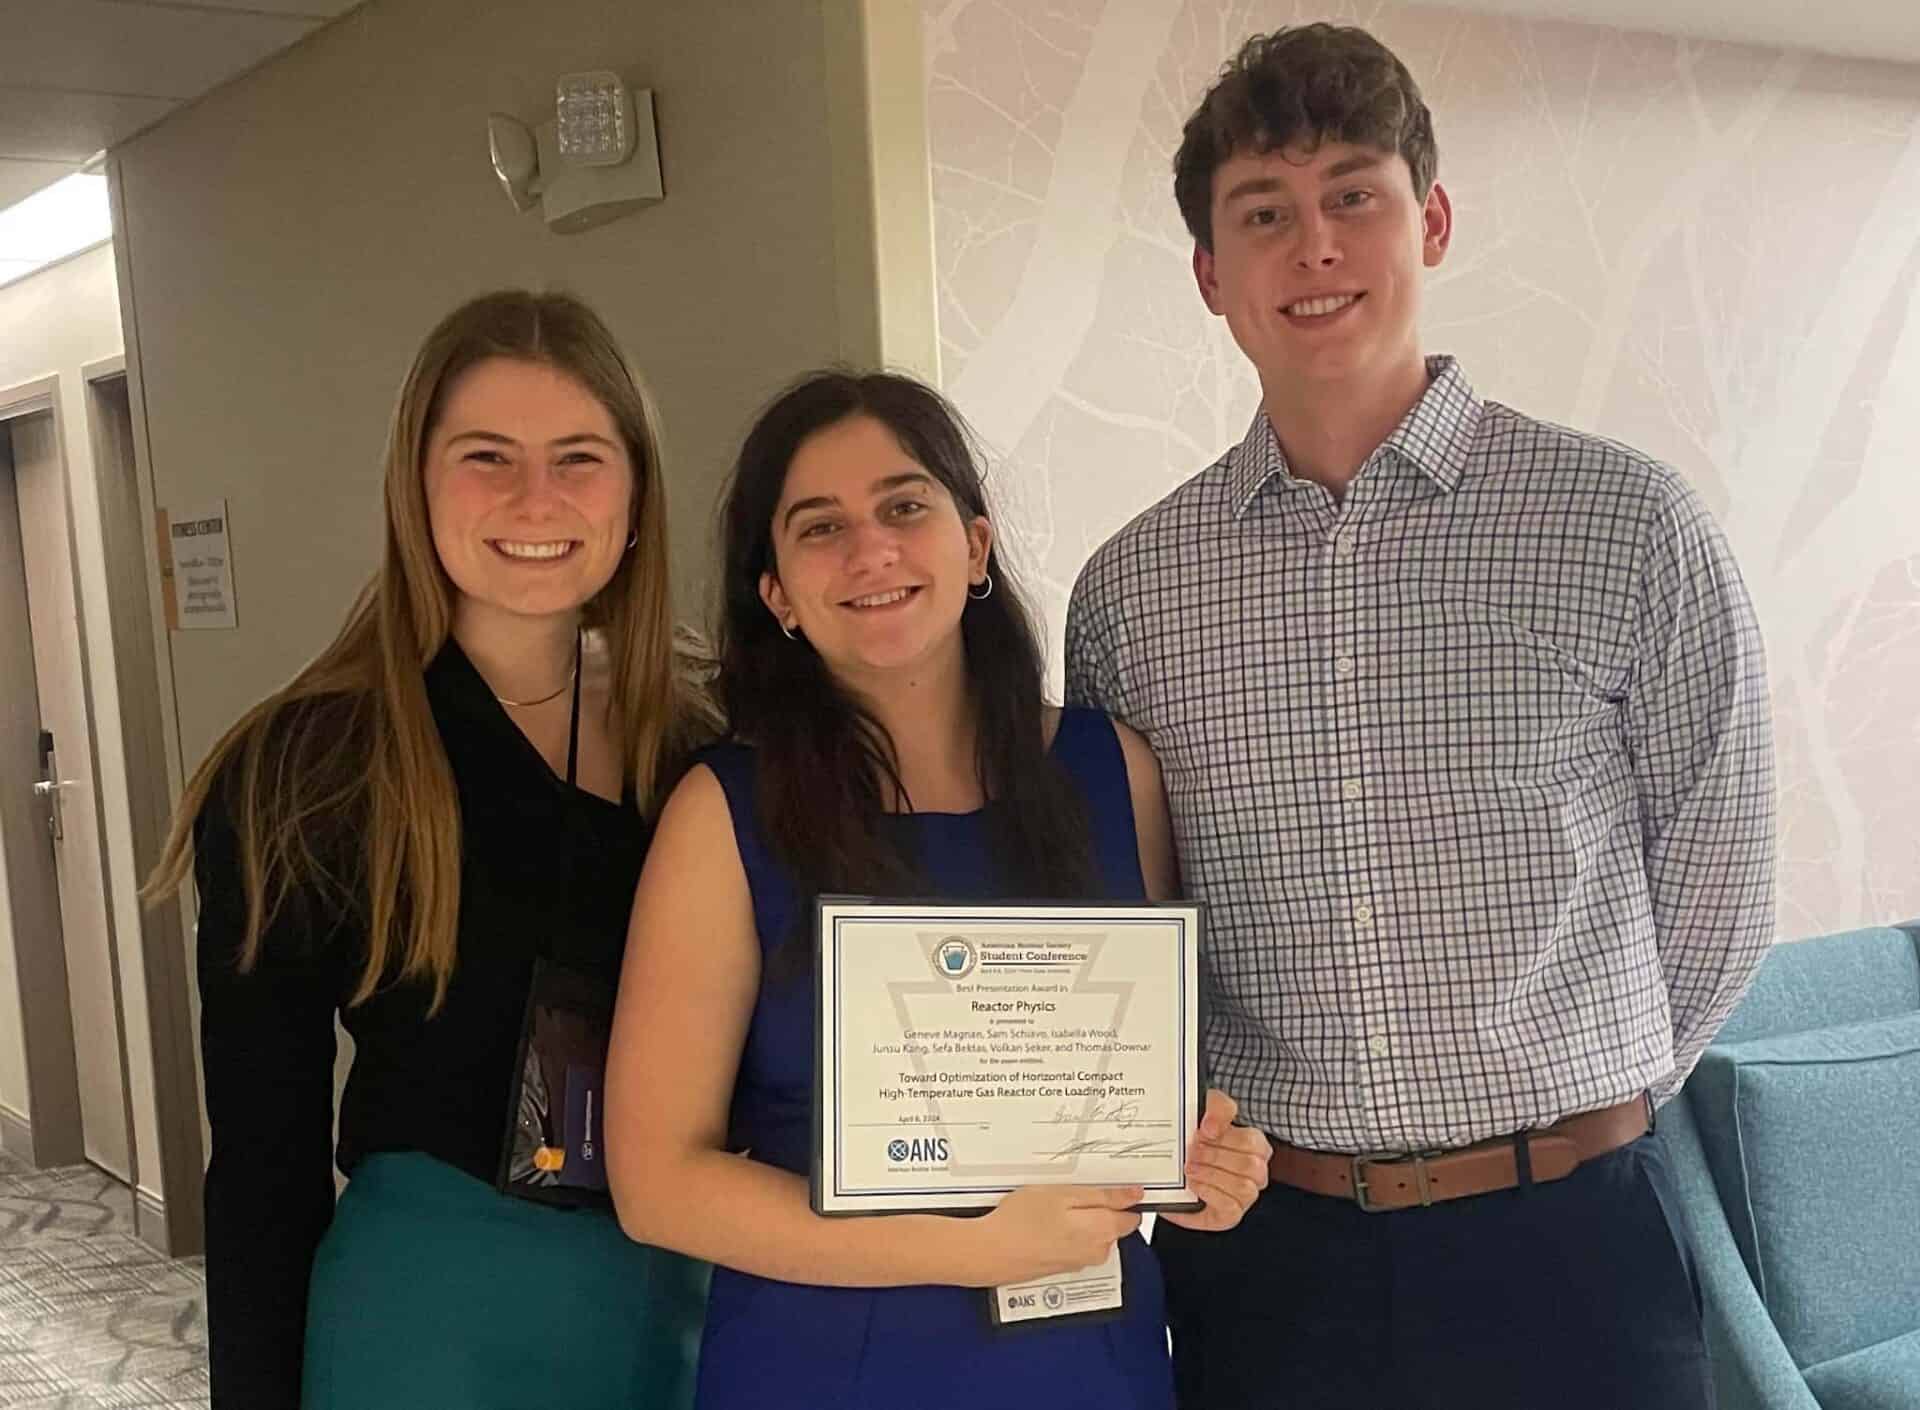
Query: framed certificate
966	1050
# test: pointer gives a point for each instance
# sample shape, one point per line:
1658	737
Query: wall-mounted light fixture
598	159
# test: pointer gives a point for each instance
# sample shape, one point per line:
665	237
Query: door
68	810
37	1068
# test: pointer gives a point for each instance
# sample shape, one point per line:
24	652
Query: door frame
149	740
53	1080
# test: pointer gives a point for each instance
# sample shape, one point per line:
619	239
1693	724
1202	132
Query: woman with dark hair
459	788
884	686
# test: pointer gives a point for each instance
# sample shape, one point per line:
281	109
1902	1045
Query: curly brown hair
1306	84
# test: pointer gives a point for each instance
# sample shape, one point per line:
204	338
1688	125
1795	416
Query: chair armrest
1752	1369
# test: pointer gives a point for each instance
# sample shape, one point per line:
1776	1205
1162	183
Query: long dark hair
826	768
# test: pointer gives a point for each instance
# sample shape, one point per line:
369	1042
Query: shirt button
1351	790
1362	913
1343	544
1343	666
1378	1045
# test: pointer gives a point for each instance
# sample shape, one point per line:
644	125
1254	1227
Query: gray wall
290	238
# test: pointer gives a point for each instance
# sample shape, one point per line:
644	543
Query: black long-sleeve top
546	869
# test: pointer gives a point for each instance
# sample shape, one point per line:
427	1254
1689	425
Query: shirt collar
454	682
469	717
1436	438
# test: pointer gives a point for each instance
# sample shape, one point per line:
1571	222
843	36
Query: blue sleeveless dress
770	1343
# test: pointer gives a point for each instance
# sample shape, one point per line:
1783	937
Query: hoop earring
787	632
987	585
633	538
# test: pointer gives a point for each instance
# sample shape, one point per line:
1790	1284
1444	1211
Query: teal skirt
432	1289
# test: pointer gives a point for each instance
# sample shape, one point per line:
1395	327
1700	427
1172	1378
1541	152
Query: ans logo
927	1149
1053	1299
953	957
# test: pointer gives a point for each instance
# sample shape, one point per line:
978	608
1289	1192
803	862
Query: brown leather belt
1383	1182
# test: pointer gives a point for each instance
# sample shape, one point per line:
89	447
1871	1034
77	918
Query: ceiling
77	76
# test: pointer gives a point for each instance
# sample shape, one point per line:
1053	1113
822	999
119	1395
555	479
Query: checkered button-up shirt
1473	768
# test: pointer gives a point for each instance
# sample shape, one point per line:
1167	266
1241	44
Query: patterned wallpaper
1707	250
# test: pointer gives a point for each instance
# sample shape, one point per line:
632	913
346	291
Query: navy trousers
1578	1294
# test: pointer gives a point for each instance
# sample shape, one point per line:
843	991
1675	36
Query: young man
1464	724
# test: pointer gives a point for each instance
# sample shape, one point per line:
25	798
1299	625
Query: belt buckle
1358	1174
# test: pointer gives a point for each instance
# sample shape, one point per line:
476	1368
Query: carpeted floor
89	1315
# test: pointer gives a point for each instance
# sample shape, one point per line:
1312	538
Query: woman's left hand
1227	1167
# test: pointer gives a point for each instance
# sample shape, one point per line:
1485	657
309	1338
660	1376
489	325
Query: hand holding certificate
966	1051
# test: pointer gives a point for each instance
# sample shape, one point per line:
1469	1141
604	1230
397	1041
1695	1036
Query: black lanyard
573	724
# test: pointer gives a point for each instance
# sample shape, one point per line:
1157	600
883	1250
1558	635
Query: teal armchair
1795	1148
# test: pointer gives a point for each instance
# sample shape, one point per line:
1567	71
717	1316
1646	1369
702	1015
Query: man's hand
1227	1167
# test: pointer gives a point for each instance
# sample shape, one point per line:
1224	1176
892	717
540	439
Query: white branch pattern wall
1709	251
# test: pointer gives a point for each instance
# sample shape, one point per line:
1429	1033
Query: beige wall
877	109
291	238
54	324
1709	251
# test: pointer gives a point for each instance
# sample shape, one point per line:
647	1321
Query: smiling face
529	490
872	556
1316	265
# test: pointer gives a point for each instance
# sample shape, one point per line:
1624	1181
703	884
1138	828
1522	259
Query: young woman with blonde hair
456	790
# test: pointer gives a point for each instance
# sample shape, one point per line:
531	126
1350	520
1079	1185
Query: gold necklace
527	704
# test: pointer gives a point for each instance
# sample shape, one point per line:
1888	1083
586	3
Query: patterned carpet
89	1315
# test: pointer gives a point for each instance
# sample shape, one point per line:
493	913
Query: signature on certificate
1149	1149
1119	1113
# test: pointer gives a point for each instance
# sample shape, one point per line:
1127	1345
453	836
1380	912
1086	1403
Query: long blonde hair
287	791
